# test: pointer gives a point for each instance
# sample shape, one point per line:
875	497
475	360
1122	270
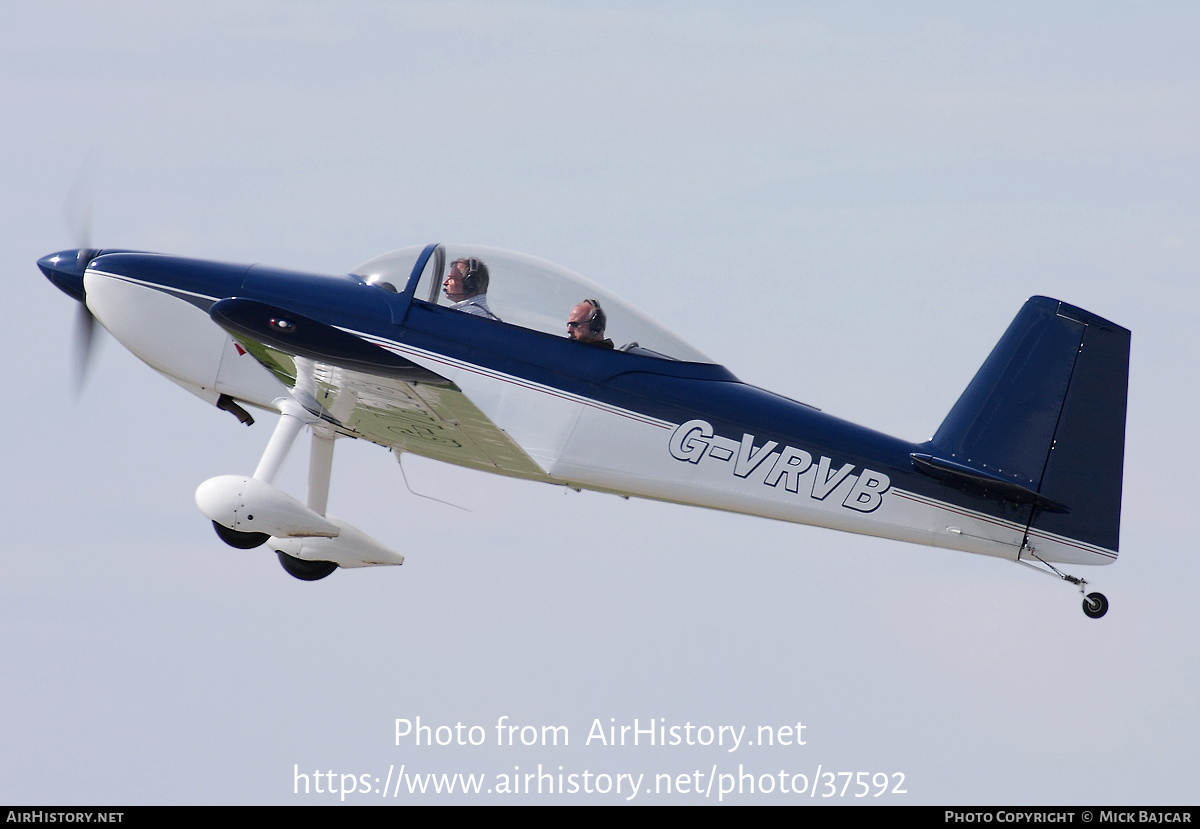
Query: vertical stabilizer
1046	411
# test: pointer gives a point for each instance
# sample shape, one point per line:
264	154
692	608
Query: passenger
586	324
466	287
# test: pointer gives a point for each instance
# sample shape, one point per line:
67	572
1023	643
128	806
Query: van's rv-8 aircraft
1027	466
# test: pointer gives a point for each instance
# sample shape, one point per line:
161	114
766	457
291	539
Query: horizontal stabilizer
980	480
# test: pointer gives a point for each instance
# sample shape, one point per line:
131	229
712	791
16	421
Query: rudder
1046	412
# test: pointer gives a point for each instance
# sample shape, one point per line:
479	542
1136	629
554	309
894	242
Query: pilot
586	324
466	287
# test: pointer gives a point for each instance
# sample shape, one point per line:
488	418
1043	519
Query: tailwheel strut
1095	604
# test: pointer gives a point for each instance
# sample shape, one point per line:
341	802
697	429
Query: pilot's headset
475	276
598	319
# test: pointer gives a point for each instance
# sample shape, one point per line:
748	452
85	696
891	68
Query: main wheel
305	570
239	539
1095	605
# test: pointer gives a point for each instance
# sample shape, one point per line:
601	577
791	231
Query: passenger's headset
598	320
470	277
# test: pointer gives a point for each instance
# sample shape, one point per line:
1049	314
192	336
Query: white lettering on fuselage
695	440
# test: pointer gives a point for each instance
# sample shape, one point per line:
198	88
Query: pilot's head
465	279
587	322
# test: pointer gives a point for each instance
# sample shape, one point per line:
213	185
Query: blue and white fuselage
1027	466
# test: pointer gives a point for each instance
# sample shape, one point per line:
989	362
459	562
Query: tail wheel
305	570
1095	605
239	539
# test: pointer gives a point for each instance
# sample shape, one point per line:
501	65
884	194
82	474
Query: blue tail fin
1045	415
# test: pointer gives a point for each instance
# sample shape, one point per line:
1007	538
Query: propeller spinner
65	270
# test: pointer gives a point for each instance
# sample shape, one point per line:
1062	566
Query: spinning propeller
66	268
85	334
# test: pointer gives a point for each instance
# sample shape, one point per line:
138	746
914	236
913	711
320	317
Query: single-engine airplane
458	353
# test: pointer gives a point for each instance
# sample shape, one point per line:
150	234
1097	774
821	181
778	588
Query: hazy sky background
845	203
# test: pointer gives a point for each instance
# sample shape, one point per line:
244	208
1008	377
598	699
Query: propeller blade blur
85	337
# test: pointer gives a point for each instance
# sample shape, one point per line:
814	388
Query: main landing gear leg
320	468
248	511
1095	605
291	421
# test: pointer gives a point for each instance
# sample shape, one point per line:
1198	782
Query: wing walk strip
1015	526
409	351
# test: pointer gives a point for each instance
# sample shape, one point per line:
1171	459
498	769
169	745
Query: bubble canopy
527	292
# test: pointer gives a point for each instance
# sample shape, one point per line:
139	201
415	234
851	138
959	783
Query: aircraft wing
364	391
